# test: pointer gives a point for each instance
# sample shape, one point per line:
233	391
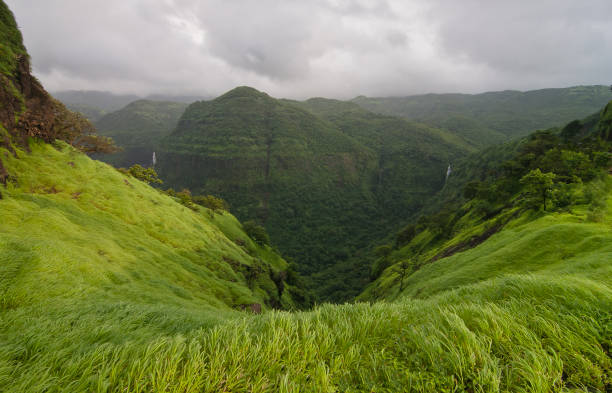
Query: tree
571	130
403	269
382	261
472	189
75	129
537	186
147	175
383	251
256	232
212	202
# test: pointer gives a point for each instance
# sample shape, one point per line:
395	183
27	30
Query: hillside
95	233
312	183
138	128
560	171
122	289
489	118
144	315
399	145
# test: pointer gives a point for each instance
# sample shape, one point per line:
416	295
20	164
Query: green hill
489	118
138	129
324	189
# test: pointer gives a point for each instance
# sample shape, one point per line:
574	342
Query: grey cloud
296	48
530	39
397	38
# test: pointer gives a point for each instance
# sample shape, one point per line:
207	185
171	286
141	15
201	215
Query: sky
306	48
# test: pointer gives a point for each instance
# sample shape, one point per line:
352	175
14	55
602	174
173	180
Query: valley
328	179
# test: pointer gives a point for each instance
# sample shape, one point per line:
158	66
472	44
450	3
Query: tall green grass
519	334
110	286
74	228
557	244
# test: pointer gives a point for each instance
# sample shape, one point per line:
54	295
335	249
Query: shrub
256	232
147	175
185	199
211	202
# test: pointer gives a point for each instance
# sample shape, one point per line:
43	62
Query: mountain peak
244	92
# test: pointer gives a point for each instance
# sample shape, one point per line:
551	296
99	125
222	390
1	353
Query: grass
554	243
91	231
516	334
111	286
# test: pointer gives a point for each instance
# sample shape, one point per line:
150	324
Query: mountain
489	118
95	104
322	191
138	128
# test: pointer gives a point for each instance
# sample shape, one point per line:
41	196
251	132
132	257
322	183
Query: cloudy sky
304	48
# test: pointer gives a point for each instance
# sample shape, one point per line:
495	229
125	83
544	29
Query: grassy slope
493	117
529	325
119	289
553	245
578	195
90	232
138	128
111	286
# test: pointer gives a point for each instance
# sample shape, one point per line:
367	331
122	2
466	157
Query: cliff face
26	109
34	114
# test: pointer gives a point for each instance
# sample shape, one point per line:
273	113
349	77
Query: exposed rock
31	112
